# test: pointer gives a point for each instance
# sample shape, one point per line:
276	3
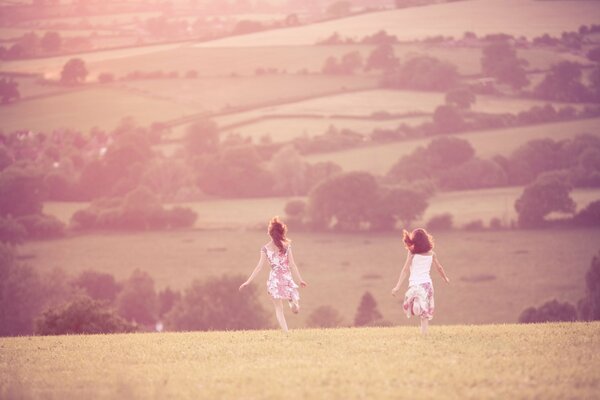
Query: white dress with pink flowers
280	284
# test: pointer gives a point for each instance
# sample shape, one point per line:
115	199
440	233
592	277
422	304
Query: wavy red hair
417	242
278	232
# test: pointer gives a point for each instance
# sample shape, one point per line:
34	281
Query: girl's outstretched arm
257	269
403	273
295	268
440	269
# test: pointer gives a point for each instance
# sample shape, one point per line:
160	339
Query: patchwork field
487	269
383	363
378	159
85	109
449	19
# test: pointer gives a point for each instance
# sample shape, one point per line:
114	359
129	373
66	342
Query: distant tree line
94	302
587	308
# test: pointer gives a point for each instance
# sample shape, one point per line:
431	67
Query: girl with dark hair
280	285
418	300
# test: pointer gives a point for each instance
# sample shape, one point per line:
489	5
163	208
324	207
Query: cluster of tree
346	65
569	40
588	307
450	163
455	117
355	200
499	60
239	169
94	302
74	167
24	292
421	73
550	193
21	214
31	44
564	82
140	209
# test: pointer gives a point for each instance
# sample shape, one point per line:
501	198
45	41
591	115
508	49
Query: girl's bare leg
424	325
295	306
279	314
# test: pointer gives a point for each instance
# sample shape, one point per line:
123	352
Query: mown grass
525	267
547	361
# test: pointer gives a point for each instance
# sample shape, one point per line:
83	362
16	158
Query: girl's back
420	268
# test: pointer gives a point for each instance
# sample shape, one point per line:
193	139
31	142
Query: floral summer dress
280	284
419	300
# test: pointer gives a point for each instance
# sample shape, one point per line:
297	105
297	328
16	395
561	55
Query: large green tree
548	193
500	61
343	201
73	72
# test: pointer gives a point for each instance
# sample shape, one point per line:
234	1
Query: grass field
495	274
548	361
378	159
449	19
85	109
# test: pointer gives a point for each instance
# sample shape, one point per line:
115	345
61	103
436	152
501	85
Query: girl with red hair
418	300
280	285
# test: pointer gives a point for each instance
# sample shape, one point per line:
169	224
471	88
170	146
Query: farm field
487	269
357	363
282	129
50	67
85	109
379	158
449	19
369	102
218	94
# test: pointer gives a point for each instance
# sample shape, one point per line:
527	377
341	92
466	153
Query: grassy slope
528	267
496	361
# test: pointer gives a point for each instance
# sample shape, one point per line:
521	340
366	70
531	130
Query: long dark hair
278	231
417	242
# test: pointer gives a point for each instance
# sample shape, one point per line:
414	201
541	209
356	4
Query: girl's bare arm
257	269
294	268
440	269
403	273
